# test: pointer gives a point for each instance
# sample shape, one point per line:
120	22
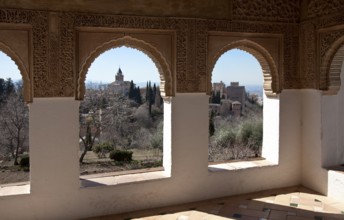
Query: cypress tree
131	90
147	93
2	90
138	97
9	87
211	124
154	93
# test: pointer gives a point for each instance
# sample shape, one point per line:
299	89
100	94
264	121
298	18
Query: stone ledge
111	179
240	165
15	189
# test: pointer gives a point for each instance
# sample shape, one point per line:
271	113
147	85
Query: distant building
236	108
119	86
235	92
119	76
233	99
220	87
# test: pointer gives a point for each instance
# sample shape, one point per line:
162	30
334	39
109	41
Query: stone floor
295	203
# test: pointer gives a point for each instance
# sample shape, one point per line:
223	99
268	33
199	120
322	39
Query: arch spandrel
23	71
269	68
166	79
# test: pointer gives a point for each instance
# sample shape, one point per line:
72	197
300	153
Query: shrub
158	137
102	149
25	162
224	137
121	155
251	133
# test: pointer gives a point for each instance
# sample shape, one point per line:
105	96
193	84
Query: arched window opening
236	108
14	124
330	70
122	114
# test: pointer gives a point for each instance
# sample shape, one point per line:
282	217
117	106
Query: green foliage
236	139
7	87
251	133
211	124
25	161
157	139
131	90
102	149
225	137
135	93
121	155
216	98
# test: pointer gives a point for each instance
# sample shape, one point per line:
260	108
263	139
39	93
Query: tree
149	97
14	123
216	97
154	93
91	113
92	132
137	95
131	93
147	92
2	90
7	87
211	124
158	98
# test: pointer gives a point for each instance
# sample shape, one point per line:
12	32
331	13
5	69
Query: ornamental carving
25	72
269	68
318	8
267	10
316	39
331	57
289	77
308	56
55	71
21	53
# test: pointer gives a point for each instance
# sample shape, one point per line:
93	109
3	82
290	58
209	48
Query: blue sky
134	64
234	65
8	69
238	66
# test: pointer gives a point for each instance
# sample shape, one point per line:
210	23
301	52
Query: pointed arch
23	71
166	81
331	66
270	73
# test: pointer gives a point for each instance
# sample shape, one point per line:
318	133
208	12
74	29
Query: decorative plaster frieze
267	10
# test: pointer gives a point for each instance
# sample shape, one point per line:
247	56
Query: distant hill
143	84
257	89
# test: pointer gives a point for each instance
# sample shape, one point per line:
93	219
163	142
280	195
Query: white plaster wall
271	131
332	117
313	175
333	139
336	185
323	141
56	192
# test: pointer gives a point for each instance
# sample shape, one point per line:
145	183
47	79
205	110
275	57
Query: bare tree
14	123
90	119
91	133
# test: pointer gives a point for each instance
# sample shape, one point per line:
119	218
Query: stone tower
119	75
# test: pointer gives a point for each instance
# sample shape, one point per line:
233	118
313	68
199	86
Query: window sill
339	168
240	165
15	189
117	178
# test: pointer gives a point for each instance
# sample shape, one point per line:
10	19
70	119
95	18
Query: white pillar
54	132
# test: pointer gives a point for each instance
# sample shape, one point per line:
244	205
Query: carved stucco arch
23	71
269	69
331	66
166	80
